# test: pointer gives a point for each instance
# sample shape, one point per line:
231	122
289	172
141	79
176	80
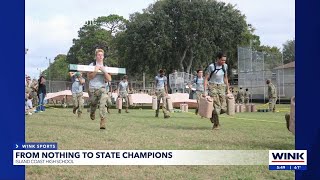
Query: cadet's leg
270	104
164	105
222	98
217	107
158	103
75	102
274	101
80	103
198	100
94	99
102	108
127	103
109	103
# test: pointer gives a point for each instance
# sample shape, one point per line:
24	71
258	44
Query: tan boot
216	124
74	110
127	110
287	117
93	116
103	123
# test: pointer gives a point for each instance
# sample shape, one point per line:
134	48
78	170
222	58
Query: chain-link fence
179	80
254	68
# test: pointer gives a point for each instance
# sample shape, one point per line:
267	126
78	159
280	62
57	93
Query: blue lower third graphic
36	146
288	167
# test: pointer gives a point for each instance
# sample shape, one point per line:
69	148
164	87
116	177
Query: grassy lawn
141	130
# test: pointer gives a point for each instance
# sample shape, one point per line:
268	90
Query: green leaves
289	51
181	34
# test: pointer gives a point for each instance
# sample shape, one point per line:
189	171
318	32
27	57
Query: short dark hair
125	77
161	71
268	81
200	69
247	89
221	54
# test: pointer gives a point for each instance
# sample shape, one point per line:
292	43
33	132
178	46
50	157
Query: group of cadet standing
212	82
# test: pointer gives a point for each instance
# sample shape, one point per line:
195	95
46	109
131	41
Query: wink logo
287	157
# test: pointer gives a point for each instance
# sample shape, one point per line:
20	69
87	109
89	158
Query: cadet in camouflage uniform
240	95
247	95
77	92
161	93
272	94
198	83
97	89
123	89
235	95
34	87
28	88
218	84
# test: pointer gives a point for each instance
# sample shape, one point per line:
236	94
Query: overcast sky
50	26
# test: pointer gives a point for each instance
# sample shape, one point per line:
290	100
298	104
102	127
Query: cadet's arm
227	83
82	80
107	77
205	83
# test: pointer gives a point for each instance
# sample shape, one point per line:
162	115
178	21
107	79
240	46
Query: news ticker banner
277	160
140	157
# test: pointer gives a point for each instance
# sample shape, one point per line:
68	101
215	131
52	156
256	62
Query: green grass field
141	130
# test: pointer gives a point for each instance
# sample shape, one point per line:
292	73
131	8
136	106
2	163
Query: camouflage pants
78	101
161	95
34	98
124	95
272	103
218	93
241	99
98	96
109	102
246	100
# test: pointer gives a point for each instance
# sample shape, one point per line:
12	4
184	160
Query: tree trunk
182	59
191	61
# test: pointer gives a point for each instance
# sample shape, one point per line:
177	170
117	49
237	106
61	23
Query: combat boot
222	111
103	123
119	111
157	113
216	124
74	110
108	110
196	111
79	114
287	116
212	119
127	110
93	116
166	116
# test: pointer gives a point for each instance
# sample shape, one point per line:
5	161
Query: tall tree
181	34
97	33
58	70
289	51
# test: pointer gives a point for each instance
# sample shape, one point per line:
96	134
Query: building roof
286	66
